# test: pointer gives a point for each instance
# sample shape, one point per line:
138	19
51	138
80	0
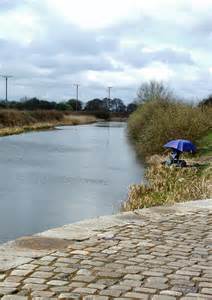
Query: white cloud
49	44
156	71
19	25
94	13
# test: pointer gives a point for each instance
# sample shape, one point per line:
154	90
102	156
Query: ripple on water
44	179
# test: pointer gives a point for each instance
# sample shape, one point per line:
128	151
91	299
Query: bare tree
153	90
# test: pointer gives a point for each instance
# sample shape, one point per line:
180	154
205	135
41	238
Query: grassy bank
151	126
167	185
15	122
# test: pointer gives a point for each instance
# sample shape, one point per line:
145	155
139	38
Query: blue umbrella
181	145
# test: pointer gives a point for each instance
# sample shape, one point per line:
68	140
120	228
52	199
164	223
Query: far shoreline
68	120
39	126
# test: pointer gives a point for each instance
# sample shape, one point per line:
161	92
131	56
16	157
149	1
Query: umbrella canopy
181	145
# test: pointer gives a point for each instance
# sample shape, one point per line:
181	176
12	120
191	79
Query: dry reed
168	185
15	122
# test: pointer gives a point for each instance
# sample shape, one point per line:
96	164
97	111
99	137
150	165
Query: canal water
52	178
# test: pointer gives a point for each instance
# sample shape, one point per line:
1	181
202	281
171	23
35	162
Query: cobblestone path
168	258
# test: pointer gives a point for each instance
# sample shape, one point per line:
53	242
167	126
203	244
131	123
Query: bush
102	115
46	115
206	102
153	90
156	122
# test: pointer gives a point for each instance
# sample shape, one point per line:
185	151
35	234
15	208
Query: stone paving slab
157	253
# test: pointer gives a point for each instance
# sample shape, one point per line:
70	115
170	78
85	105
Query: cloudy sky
48	45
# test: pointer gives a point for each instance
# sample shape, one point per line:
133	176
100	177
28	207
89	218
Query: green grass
205	145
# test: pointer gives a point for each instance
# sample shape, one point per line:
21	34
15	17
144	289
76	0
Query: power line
6	79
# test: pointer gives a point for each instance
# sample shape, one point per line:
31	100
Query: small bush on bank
102	115
47	115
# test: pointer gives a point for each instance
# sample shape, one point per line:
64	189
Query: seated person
175	155
173	158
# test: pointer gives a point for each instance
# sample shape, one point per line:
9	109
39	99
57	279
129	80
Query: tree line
151	90
105	105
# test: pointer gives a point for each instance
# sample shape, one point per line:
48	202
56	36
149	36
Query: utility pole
109	89
6	78
77	93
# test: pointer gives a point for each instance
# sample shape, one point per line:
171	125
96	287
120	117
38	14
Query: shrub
206	102
156	122
153	90
102	115
46	115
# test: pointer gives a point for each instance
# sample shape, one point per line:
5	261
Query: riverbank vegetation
94	106
35	114
168	185
15	121
158	119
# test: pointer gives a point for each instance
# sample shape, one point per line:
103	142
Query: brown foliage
12	118
169	185
156	122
